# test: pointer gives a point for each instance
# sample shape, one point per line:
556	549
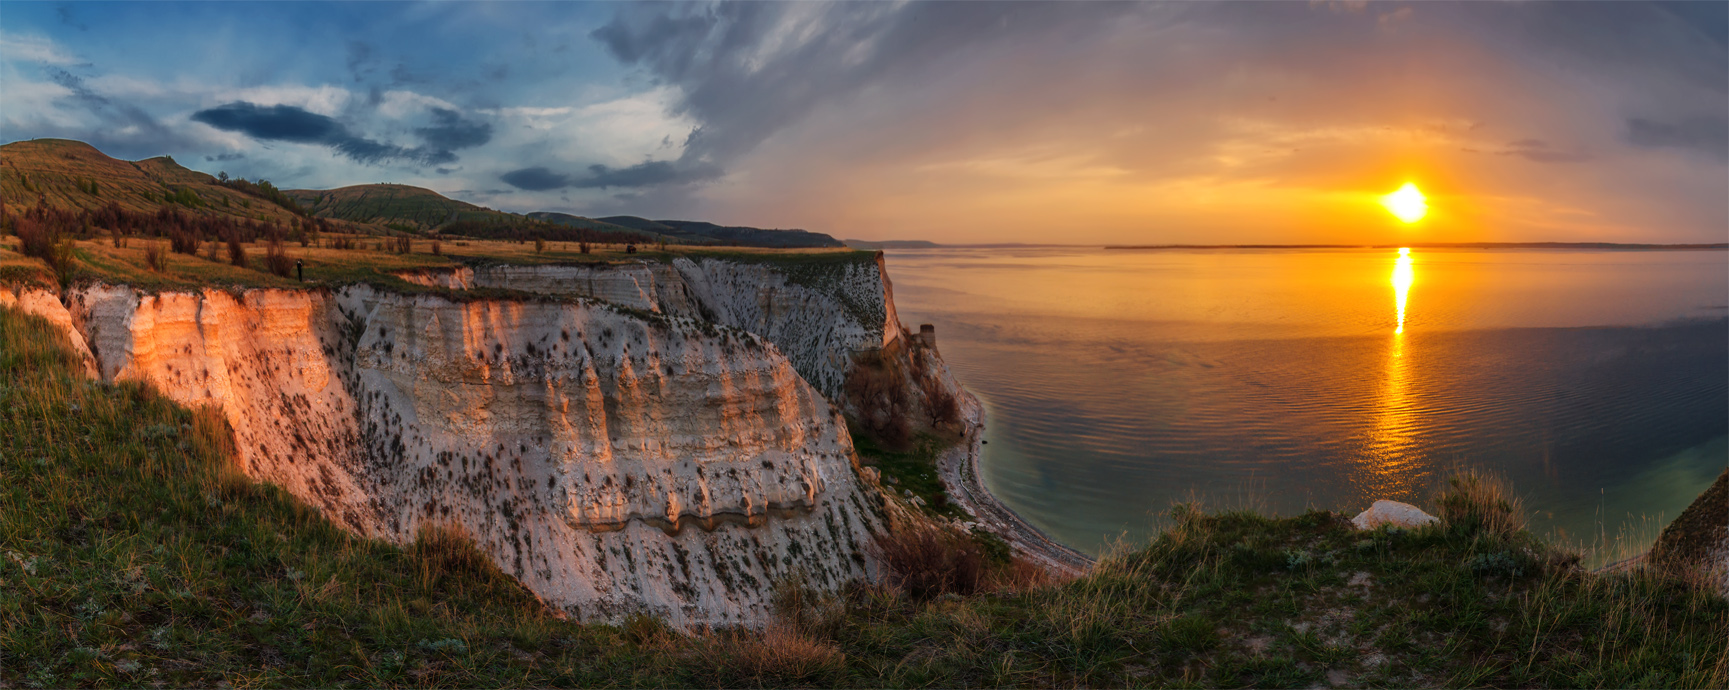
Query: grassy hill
394	204
73	175
702	232
585	223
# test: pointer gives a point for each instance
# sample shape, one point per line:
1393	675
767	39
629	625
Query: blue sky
965	122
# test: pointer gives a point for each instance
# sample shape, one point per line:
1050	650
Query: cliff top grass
373	261
133	552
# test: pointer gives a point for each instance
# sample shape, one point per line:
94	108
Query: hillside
394	204
74	176
585	223
702	232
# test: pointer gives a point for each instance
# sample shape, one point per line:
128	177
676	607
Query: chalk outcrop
1392	513
829	314
614	462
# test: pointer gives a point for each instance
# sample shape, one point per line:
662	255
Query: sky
956	122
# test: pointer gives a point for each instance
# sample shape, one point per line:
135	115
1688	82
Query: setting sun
1408	203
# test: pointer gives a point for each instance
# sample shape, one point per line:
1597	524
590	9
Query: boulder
1392	513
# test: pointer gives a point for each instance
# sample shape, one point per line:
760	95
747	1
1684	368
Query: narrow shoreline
961	475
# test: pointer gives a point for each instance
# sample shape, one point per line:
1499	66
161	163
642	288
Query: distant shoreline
1444	245
922	244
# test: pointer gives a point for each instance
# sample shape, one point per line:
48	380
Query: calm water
1119	382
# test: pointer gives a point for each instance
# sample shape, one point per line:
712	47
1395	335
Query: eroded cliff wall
614	462
826	313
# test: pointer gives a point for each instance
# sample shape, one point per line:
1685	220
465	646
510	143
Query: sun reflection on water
1393	469
1403	276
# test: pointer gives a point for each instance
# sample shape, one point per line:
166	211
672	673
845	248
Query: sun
1408	204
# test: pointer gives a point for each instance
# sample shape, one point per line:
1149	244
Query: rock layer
614	462
820	315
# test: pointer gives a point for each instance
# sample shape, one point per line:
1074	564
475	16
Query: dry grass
1478	502
778	655
927	562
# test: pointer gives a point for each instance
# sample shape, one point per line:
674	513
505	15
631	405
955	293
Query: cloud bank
978	121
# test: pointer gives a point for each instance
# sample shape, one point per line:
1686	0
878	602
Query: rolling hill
73	175
585	223
396	205
701	232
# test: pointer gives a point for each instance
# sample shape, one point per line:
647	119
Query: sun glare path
1408	203
1403	276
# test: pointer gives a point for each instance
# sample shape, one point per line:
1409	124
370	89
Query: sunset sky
954	122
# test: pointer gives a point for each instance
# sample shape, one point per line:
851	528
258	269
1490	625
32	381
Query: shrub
539	245
927	562
35	239
940	405
276	259
1478	503
236	251
582	247
403	244
119	238
212	250
182	241
43	242
875	390
436	250
155	258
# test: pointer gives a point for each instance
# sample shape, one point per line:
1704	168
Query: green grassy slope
416	207
568	220
132	553
59	172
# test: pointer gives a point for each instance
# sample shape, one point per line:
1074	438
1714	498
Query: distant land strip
1440	245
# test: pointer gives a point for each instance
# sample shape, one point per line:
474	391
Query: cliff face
613	462
828	318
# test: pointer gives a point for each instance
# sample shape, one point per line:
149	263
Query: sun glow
1408	203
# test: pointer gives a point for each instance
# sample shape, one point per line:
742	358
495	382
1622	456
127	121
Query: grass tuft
1476	502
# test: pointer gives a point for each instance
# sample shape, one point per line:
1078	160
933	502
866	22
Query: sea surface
1120	382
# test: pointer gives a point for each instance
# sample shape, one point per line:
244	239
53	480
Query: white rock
612	463
1392	513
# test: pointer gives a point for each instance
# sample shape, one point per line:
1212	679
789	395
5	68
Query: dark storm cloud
224	157
1708	136
646	174
536	179
276	122
450	132
291	124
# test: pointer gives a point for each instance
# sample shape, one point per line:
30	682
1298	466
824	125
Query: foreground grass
131	554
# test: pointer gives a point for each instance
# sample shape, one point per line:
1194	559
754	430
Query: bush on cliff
132	552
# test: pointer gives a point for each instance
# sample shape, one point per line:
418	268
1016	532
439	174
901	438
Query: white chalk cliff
659	456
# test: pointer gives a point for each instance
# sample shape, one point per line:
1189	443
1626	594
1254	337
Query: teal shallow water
1118	383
